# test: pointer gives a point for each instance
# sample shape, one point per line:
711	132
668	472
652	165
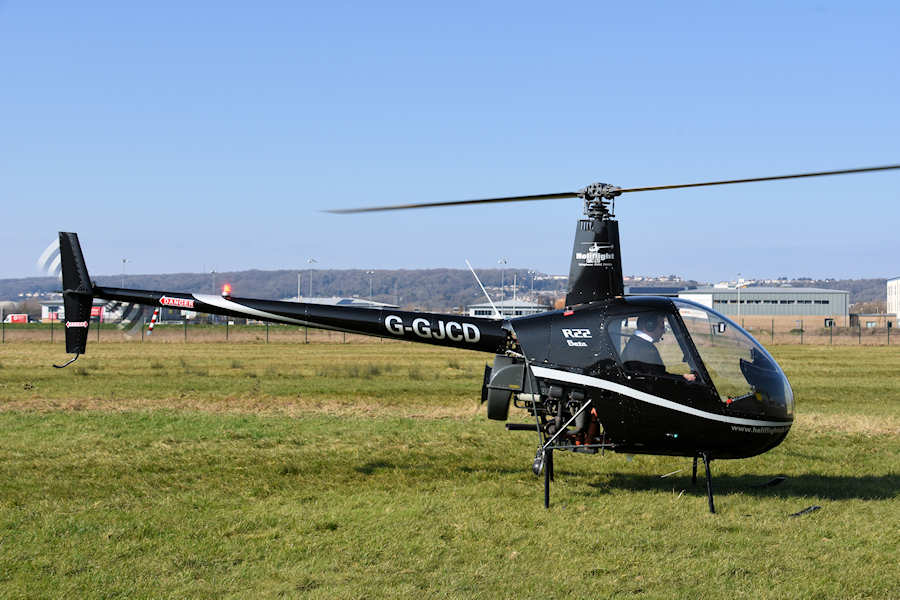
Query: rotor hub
599	199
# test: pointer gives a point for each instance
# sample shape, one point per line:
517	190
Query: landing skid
543	461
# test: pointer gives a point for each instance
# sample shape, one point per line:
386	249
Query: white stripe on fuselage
221	302
648	398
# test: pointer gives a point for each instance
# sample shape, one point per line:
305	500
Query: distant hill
433	289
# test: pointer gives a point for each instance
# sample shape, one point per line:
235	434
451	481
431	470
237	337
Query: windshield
746	377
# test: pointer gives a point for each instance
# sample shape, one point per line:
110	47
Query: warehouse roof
764	290
509	303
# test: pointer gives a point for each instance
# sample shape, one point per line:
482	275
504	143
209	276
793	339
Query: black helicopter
638	375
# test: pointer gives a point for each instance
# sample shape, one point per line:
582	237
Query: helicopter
607	372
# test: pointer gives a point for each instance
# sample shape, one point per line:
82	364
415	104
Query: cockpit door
657	357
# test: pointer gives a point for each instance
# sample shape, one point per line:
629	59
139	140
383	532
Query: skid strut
548	475
709	491
544	455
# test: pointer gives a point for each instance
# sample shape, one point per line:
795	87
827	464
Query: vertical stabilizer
596	269
78	292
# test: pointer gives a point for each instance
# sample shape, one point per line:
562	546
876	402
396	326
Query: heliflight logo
596	255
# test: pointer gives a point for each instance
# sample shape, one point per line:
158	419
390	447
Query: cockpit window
745	375
650	343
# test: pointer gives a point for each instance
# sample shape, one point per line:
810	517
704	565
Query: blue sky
189	136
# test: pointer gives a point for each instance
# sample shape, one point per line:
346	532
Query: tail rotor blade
52	248
49	260
131	314
55	267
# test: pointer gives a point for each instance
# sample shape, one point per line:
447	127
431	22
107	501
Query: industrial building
660	290
781	305
893	297
55	310
507	308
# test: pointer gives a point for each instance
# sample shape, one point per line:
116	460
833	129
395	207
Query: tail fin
78	292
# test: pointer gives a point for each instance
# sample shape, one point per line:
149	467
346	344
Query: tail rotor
49	260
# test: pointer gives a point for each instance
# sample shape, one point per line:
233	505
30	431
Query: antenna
496	312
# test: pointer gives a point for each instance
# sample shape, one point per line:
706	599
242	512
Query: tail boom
458	331
486	335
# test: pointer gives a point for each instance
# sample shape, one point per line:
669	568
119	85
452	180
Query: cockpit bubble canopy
746	377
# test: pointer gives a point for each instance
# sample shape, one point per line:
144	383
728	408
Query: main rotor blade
753	179
344	211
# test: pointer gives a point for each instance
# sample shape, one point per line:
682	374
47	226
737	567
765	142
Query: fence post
267	332
801	332
773	331
859	329
143	324
305	334
185	330
51	328
226	329
831	336
3	337
345	337
889	333
98	330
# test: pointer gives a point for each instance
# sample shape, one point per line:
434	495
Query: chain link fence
183	332
190	332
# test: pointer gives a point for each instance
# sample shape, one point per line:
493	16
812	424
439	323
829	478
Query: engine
562	412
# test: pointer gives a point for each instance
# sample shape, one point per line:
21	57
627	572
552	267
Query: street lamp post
212	274
124	260
502	261
371	275
740	282
310	261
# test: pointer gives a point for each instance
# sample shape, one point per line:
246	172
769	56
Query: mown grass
328	471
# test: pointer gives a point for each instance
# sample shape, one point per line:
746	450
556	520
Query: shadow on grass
377	465
827	487
831	487
373	467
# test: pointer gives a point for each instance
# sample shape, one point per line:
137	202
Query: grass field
367	471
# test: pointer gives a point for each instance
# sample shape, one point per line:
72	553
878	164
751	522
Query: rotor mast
595	272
